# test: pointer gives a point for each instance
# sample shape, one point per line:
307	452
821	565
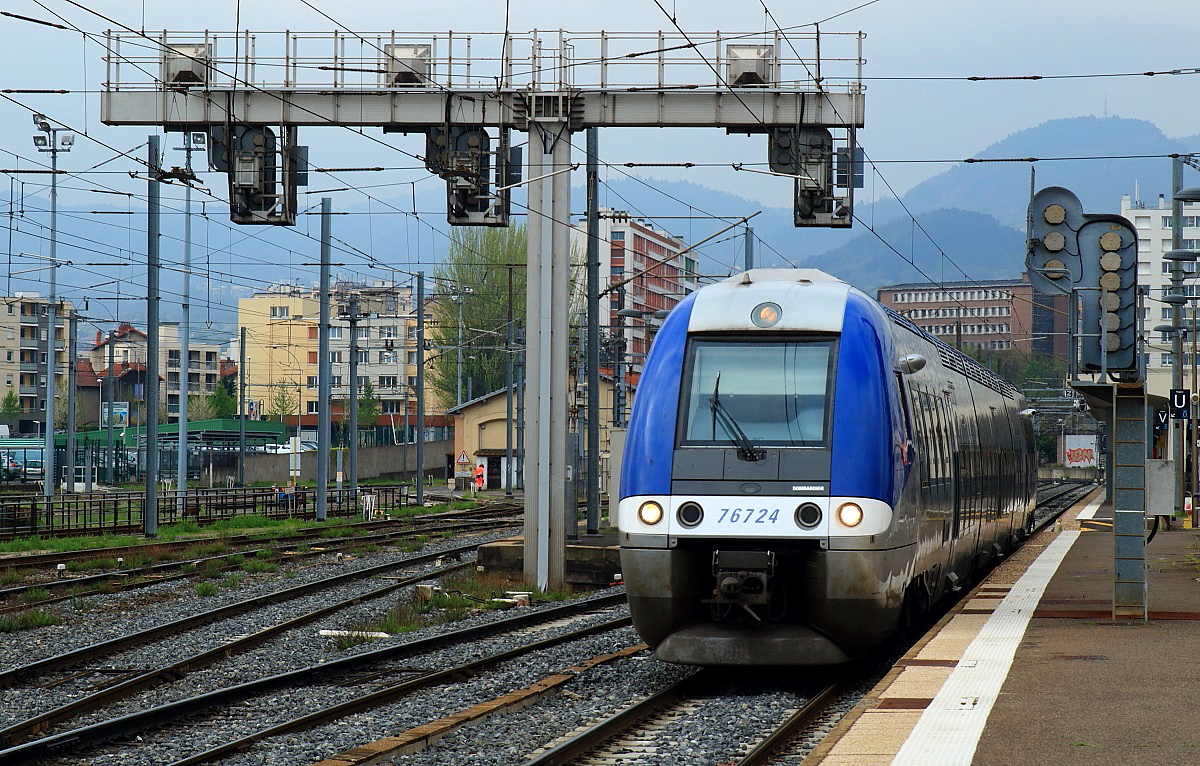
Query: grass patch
82	605
203	550
10	577
236	558
291	574
66	544
255	566
211	569
232	580
34	595
462	594
347	642
28	620
414	544
206	589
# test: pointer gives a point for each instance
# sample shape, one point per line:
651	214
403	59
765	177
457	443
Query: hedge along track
78	739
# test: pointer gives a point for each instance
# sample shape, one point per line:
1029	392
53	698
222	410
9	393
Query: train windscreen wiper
745	449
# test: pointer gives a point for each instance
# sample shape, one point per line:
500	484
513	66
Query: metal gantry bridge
250	92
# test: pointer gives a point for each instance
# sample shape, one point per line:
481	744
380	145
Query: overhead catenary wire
406	212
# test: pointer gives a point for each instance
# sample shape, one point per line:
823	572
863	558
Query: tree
222	402
62	400
479	260
10	405
282	400
199	408
368	406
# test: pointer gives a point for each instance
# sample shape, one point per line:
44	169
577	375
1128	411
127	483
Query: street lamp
50	142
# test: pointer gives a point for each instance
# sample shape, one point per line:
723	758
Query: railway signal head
1096	255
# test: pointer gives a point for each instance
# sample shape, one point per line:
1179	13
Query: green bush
206	589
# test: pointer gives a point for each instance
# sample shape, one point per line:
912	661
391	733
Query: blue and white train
806	472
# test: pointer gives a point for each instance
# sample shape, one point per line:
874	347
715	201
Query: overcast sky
922	113
910	123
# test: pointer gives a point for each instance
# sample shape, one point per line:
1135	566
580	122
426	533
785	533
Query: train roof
956	360
721	300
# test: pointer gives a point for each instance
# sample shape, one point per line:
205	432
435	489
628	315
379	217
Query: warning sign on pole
462	457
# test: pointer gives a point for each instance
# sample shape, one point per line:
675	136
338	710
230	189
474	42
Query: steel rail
22	730
807	714
573	747
152	569
387	695
105	648
76	739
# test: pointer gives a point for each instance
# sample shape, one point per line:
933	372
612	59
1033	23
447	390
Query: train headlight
690	514
766	315
650	512
808	515
850	514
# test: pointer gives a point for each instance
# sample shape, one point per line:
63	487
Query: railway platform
1031	668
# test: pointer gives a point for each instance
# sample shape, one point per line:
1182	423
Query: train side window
904	406
922	424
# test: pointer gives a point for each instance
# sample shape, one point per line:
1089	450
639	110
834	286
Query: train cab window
776	392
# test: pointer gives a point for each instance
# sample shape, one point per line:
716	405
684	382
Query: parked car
34	469
10	469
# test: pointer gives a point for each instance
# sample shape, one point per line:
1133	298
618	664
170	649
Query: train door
968	469
950	446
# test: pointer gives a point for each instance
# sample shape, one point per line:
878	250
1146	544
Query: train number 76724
749	515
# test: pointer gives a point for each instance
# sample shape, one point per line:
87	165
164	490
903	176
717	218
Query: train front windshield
776	392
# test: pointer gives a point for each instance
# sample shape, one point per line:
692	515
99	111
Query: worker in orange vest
479	471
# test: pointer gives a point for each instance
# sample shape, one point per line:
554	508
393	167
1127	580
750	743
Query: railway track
358	682
16	598
653	727
47	561
750	750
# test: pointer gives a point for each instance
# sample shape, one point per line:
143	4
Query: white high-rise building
1152	219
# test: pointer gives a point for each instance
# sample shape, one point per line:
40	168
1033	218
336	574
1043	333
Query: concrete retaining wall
392	462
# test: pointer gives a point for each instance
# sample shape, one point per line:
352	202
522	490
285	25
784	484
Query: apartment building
1153	221
993	315
659	276
129	353
25	351
282	347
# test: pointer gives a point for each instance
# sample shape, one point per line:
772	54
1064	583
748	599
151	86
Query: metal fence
123	512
